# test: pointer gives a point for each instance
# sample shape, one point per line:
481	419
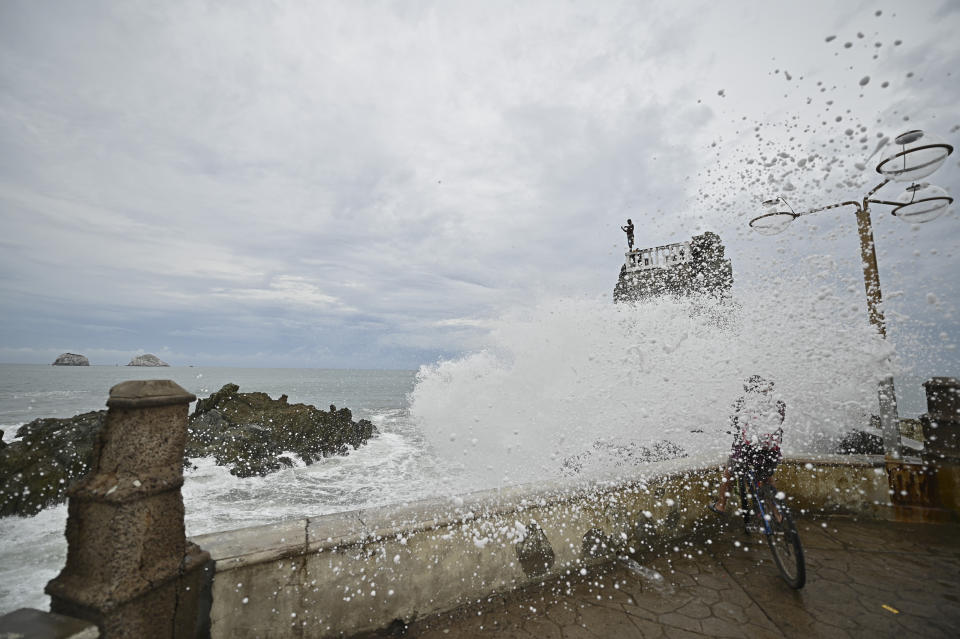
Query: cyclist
757	422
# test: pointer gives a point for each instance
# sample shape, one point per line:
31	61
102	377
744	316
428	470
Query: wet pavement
864	579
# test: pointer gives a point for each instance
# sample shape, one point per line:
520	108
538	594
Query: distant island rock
147	360
249	433
71	359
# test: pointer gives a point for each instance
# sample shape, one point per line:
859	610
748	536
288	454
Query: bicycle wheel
784	540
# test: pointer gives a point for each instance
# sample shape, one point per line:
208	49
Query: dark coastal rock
147	360
249	432
49	454
605	455
859	442
71	359
534	552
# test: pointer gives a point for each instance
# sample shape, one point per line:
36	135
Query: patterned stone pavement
864	579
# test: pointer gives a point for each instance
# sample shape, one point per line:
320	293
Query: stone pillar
930	490
941	434
941	423
129	567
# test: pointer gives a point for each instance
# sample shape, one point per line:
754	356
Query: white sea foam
565	374
10	431
389	468
33	551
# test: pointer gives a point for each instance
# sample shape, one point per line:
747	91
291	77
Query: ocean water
395	466
556	379
31	391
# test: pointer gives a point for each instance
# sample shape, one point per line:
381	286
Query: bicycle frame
748	474
777	526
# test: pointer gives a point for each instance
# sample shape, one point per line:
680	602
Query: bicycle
772	517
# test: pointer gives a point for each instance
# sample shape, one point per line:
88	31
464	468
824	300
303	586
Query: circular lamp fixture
913	155
922	203
774	220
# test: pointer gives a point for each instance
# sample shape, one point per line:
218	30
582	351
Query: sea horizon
31	391
319	368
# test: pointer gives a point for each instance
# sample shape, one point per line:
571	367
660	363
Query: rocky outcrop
249	432
858	442
49	454
147	360
71	359
606	455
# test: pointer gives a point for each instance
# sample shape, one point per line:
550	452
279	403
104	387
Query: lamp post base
889	420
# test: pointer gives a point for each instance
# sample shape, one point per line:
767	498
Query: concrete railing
361	570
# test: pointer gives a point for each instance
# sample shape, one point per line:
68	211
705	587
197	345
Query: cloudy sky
369	184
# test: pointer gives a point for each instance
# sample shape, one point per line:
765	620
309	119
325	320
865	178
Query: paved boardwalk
864	579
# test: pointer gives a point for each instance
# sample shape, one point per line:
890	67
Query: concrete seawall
354	571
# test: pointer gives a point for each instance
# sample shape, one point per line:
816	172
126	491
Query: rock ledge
250	433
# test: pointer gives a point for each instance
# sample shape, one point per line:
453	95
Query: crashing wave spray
561	376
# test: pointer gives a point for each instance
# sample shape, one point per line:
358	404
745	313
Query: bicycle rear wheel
784	540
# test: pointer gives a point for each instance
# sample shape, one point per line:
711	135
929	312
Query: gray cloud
334	184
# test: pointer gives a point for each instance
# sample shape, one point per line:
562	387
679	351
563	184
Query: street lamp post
908	157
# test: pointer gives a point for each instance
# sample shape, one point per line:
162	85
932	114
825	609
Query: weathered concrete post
129	567
941	434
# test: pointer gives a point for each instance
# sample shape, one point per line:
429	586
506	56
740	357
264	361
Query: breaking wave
570	375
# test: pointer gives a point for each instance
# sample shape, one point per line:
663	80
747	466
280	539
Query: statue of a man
628	229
